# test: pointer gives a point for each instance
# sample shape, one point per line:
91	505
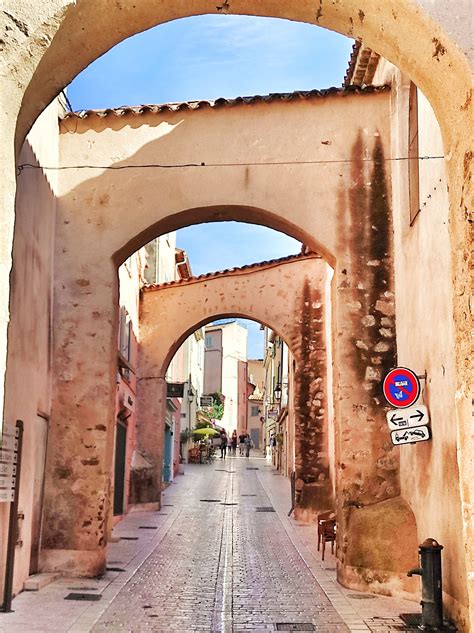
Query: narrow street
221	555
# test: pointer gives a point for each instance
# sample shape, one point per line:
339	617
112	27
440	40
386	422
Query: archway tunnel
93	235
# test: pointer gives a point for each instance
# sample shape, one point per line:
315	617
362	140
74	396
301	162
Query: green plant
216	411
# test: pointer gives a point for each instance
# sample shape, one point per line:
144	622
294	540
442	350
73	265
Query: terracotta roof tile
221	102
229	271
352	64
362	66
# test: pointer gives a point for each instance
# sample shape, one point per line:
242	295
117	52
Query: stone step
38	581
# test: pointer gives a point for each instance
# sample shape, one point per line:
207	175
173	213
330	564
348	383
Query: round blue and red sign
401	387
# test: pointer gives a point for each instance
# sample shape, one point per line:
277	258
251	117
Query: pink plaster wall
28	379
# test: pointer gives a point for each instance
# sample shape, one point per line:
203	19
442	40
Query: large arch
291	296
404	32
47	48
296	198
298	285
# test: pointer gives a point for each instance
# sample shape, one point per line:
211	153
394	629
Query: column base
377	546
72	562
144	507
378	581
312	499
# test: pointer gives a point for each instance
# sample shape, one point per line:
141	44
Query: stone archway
402	31
315	211
290	295
46	48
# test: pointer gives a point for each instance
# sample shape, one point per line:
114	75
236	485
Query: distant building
225	371
162	259
131	277
278	409
255	419
161	262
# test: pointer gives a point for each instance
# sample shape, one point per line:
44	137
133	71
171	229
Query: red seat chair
324	516
328	535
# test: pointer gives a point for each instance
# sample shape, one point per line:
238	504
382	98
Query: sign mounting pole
13	525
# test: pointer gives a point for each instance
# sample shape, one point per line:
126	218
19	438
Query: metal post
431	586
12	529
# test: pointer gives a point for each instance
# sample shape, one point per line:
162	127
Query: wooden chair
324	516
328	535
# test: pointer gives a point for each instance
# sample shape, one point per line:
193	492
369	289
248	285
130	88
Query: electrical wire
24	166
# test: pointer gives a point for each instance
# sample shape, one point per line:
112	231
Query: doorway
255	437
168	454
119	474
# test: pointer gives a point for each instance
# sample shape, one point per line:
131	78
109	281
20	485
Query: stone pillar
313	484
80	443
147	465
377	536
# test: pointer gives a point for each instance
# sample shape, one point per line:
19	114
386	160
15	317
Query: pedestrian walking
248	445
223	444
241	443
234	442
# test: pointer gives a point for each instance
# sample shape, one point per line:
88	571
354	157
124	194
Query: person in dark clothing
223	444
234	442
248	445
241	443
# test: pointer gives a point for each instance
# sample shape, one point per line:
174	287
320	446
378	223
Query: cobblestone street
221	555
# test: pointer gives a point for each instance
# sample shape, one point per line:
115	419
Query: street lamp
191	394
277	392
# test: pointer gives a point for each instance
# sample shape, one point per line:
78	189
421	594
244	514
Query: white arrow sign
407	418
410	436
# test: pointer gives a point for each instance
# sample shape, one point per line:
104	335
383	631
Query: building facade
255	411
225	371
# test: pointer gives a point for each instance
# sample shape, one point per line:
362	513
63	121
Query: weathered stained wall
367	465
28	380
426	343
308	347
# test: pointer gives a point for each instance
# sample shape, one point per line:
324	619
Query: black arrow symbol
394	419
419	415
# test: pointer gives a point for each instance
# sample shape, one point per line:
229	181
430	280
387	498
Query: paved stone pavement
210	561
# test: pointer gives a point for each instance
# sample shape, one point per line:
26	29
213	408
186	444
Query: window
254	411
208	340
413	156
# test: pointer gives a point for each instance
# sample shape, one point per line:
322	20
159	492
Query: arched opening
301	286
425	49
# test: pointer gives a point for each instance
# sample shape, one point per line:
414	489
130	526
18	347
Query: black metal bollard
431	587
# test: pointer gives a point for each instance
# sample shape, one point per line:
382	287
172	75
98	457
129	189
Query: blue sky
214	56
